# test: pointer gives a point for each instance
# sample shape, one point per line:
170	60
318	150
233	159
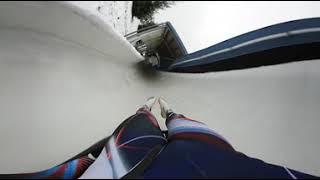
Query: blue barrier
302	35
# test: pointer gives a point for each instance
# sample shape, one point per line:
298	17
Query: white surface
61	92
116	13
67	21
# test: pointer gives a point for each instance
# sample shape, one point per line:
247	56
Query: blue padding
291	40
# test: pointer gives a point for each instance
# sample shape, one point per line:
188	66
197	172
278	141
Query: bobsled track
67	79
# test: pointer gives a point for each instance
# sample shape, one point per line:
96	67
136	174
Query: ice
68	79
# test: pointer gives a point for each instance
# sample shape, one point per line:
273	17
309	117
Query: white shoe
150	102
165	109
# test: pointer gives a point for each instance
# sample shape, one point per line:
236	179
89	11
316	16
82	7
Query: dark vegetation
145	10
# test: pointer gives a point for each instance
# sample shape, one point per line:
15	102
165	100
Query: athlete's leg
135	140
196	151
137	136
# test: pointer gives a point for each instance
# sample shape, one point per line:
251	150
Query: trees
144	10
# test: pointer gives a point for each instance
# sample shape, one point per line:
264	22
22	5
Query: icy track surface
67	79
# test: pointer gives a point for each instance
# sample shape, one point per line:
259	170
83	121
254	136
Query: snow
116	13
64	88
